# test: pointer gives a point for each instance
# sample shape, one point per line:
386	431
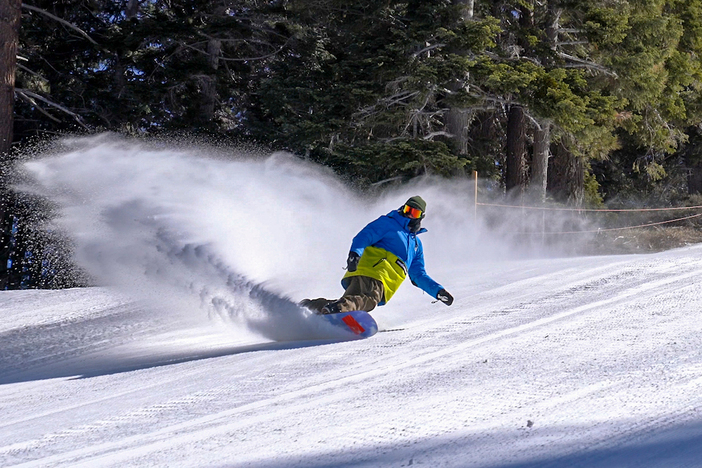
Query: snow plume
240	236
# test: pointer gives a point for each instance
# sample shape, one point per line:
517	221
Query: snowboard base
358	322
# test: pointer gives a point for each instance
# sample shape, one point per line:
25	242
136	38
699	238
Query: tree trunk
467	7
214	51
566	176
554	17
208	84
132	8
9	38
538	183
515	170
457	119
208	98
10	15
539	165
694	180
526	22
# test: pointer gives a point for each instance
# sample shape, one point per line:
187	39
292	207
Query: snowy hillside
195	354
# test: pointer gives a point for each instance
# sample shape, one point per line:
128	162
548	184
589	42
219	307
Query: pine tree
542	64
658	76
370	91
155	66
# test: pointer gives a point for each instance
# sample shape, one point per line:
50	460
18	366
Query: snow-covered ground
201	358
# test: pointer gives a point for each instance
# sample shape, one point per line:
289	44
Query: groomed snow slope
592	361
195	354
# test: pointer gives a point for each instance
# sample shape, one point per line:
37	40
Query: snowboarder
382	255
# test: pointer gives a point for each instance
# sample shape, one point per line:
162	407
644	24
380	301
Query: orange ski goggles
411	212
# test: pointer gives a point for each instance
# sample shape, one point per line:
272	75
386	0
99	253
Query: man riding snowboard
382	255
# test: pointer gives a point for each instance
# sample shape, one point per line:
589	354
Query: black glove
352	261
445	297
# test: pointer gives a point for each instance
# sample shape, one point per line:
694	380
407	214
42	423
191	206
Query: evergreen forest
583	103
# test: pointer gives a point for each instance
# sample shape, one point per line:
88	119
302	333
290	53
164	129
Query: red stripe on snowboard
353	324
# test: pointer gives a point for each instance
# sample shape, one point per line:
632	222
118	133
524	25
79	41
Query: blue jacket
391	233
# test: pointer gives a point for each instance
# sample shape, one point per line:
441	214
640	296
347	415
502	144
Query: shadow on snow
669	446
95	347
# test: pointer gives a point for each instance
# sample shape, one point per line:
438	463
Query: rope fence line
621	228
629	210
590	210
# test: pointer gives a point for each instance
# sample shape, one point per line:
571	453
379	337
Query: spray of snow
240	237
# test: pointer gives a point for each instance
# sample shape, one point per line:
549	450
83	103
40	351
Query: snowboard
358	322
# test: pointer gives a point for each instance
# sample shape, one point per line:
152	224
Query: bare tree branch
431	135
427	49
37	106
386	103
261	57
62	21
587	64
414	117
31	96
391	179
578	62
245	59
31	72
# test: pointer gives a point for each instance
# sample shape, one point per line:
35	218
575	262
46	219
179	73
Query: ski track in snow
572	362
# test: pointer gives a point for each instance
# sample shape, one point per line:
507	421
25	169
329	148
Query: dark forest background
583	103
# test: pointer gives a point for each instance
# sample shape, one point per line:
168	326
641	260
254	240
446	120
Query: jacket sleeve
419	276
369	235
